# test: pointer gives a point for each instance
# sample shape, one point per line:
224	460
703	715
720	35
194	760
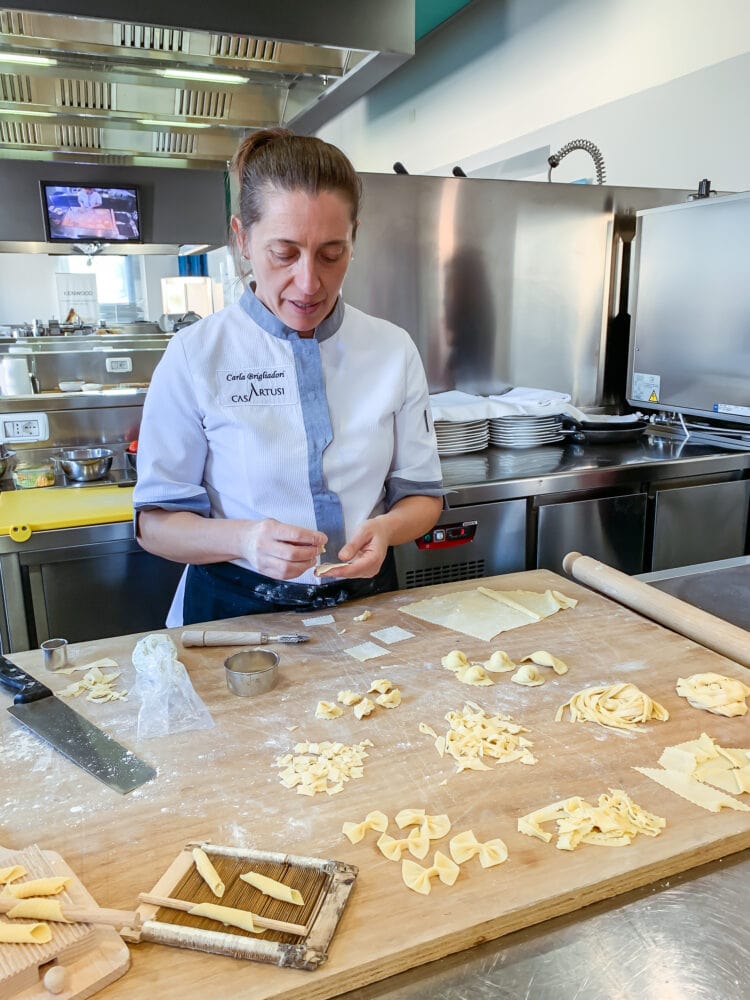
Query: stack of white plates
525	431
461	436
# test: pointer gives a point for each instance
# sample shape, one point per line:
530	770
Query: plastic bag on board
169	703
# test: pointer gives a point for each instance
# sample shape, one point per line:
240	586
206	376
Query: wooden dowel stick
86	914
266	922
681	617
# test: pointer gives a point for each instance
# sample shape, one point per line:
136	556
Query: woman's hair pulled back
276	158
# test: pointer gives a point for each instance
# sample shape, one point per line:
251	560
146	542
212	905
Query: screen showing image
74	213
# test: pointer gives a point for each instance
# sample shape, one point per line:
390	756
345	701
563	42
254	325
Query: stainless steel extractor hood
179	84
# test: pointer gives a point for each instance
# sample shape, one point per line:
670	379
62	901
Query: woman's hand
282	551
366	550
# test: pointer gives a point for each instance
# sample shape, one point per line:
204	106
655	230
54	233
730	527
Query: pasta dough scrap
228	915
544	659
528	675
614	822
38	909
366	651
322	767
484	613
207	872
499	662
382	686
390	700
619	706
349	698
537	606
364	617
706	761
271	887
11	874
328	710
374	820
324	568
37	887
473	735
715	693
95	684
691	789
419	879
465	846
365	707
392	634
417	843
24	933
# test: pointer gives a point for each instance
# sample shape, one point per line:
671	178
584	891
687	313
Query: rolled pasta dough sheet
227	915
207	872
37	887
38	909
270	887
11	874
24	933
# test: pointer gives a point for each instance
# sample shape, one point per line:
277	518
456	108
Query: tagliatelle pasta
618	706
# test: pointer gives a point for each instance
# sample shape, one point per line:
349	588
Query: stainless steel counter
721	588
682	938
501	474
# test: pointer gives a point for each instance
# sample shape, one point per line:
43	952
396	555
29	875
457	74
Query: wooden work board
222	784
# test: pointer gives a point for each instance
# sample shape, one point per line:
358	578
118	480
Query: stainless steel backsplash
500	283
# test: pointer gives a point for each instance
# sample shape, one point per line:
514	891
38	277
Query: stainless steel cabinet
611	529
81	584
700	523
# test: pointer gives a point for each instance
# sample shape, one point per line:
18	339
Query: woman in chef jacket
289	424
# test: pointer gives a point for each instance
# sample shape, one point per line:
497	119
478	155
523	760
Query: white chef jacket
246	419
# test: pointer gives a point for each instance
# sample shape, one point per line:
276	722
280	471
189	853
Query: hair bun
255	142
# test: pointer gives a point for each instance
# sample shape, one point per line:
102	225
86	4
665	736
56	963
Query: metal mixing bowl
84	464
5	457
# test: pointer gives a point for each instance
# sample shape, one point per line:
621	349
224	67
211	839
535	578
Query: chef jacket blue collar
271	323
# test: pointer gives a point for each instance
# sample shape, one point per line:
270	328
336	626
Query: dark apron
222	590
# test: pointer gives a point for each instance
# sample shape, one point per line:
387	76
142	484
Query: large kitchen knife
35	707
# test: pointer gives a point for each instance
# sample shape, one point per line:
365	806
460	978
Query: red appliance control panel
445	536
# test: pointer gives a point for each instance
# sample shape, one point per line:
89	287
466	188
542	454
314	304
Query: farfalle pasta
374	820
419	879
465	846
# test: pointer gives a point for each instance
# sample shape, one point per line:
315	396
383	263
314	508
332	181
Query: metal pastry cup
55	653
251	672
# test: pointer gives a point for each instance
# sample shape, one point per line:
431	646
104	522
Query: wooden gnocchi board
92	956
221	785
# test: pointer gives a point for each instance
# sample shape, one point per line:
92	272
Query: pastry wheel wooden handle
706	629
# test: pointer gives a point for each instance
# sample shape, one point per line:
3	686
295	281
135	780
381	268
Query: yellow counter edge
23	512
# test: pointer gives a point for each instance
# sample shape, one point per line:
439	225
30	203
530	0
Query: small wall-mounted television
84	213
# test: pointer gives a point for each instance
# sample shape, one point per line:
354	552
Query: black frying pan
605	433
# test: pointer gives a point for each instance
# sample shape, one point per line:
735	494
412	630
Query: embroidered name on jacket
276	385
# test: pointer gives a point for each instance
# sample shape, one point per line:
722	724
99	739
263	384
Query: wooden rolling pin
706	629
267	923
213	637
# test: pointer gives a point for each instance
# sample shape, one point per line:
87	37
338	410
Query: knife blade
35	707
